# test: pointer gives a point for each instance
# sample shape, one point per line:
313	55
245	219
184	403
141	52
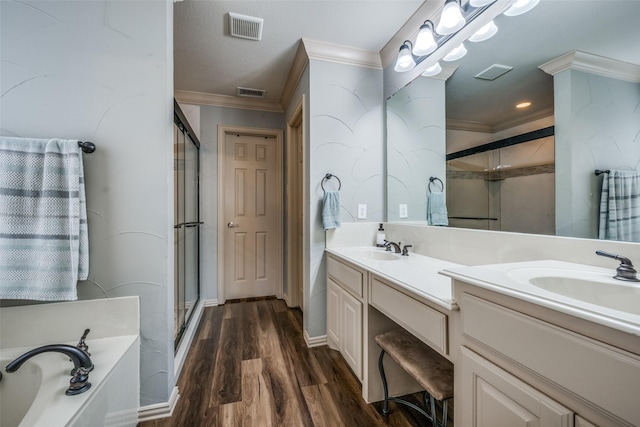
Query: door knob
232	225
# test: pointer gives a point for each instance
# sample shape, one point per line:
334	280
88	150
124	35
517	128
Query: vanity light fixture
456	53
405	61
485	33
451	20
521	6
425	43
434	70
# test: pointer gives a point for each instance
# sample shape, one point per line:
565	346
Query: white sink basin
18	390
617	297
374	254
594	287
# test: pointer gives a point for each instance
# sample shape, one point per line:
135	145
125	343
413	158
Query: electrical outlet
362	211
403	211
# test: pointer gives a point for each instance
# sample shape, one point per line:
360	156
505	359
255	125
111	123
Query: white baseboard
211	303
314	341
159	410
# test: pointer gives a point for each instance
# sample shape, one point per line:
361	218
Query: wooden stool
430	369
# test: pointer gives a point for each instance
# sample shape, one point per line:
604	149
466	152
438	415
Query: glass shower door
191	227
186	228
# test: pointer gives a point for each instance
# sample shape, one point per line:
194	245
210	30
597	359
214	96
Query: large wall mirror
530	169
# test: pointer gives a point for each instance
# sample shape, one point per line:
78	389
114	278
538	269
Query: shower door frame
183	125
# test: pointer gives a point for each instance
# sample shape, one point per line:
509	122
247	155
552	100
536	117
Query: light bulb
405	60
456	53
451	19
521	6
425	43
434	70
485	33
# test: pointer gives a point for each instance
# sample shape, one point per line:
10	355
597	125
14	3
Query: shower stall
186	230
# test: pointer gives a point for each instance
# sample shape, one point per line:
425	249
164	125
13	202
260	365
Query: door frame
223	131
295	204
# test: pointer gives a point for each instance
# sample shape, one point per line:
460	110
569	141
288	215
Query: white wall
210	118
102	71
416	145
597	127
346	139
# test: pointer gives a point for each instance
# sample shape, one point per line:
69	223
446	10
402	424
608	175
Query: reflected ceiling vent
251	93
493	72
245	27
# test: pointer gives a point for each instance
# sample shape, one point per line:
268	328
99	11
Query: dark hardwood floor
249	366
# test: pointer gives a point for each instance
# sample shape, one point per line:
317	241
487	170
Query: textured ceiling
208	60
606	28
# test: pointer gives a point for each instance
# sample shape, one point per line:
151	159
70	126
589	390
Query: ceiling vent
251	93
245	27
493	72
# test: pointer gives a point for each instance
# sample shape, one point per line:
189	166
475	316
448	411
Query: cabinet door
351	312
333	314
581	422
498	399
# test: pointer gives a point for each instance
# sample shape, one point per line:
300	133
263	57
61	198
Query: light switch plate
403	211
362	211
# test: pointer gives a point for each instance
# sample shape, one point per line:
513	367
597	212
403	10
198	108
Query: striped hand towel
43	219
620	206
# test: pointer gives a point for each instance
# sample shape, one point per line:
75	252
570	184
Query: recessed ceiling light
523	104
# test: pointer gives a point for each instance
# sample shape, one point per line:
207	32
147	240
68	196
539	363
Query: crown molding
329	52
298	66
307	49
593	64
201	98
487	128
469	126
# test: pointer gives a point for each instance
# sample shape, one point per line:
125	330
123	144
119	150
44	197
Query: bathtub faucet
79	382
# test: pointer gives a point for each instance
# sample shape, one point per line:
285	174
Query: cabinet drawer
424	322
601	374
347	277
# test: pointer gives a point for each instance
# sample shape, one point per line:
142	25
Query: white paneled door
253	214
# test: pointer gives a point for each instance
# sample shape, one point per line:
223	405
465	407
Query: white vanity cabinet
495	398
523	365
345	293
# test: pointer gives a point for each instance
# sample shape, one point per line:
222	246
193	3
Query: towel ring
435	178
328	177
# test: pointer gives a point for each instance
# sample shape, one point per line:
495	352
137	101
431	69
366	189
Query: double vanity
544	343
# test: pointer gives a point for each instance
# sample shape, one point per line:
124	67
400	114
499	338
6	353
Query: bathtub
34	395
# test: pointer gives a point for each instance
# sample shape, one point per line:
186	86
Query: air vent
493	72
245	27
251	93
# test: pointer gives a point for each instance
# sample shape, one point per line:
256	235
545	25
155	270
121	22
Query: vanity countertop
583	291
416	273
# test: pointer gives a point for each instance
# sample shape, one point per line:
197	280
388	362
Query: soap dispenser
380	237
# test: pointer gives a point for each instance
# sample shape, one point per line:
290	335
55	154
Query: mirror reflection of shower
503	187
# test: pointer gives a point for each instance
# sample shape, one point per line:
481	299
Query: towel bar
328	177
435	178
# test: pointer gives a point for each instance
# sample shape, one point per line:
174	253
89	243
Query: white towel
43	219
331	210
437	209
620	206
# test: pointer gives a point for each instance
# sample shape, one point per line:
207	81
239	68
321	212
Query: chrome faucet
625	270
79	382
396	246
